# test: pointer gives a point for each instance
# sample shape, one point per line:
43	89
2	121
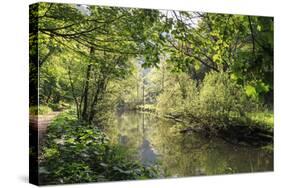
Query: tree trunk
99	91
86	89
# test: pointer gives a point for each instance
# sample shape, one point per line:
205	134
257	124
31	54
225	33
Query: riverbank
158	140
76	152
137	146
255	129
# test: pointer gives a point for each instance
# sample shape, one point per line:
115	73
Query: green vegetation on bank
218	101
218	106
78	152
261	118
41	110
46	109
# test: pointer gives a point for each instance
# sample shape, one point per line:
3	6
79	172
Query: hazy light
84	9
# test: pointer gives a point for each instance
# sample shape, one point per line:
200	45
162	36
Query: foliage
39	110
78	152
181	89
60	106
54	86
127	92
240	45
263	118
82	61
147	108
221	102
218	102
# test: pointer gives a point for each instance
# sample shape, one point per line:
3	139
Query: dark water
158	141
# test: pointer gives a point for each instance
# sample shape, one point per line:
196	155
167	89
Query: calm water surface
158	141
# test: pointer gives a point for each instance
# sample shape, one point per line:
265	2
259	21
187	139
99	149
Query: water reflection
148	157
123	139
159	141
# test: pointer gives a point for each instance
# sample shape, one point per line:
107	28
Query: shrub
221	102
262	118
217	102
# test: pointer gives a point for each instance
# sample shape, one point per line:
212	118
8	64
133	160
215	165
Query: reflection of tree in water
195	154
148	157
123	139
183	154
125	130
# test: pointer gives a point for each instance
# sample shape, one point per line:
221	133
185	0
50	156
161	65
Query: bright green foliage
77	152
180	90
91	49
251	91
53	81
221	102
147	107
83	54
265	119
240	45
126	93
41	110
218	102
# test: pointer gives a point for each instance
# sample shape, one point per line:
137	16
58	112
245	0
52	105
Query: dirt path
39	124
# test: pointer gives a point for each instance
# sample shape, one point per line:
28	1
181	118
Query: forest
142	93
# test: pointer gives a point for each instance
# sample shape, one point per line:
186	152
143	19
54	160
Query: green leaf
70	140
250	91
197	66
262	87
217	58
233	76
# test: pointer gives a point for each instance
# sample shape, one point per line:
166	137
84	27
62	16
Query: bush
216	102
221	102
262	118
41	110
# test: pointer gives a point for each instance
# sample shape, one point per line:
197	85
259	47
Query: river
159	142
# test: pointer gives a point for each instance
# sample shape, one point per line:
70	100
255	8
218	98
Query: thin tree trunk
163	78
253	39
86	89
143	100
49	97
73	93
100	89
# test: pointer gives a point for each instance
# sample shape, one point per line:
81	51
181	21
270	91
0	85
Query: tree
106	37
240	45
